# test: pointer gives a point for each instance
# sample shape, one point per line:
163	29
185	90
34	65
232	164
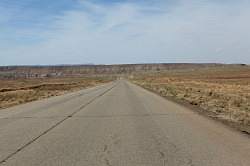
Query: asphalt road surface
117	124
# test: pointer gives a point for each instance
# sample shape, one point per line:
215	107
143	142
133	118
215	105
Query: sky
47	32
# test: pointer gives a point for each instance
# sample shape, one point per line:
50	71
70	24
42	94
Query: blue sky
39	32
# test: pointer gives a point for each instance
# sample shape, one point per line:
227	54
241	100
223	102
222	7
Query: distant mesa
69	70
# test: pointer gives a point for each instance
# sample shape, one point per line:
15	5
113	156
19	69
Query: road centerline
54	126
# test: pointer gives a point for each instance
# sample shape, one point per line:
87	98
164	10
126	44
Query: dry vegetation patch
18	91
224	93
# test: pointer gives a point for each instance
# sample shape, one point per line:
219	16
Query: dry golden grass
14	92
222	92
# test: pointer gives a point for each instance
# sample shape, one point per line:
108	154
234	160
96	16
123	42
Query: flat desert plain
221	92
19	91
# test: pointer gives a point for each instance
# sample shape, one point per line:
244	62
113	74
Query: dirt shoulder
19	91
220	93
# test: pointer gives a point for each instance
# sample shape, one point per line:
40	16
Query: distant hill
88	70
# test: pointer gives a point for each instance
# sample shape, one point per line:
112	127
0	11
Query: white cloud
130	33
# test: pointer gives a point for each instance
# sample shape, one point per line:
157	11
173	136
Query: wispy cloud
129	32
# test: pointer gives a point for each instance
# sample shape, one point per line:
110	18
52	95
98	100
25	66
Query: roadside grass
19	91
224	93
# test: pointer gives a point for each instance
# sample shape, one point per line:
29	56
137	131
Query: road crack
54	126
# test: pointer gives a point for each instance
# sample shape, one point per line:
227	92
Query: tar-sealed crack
54	126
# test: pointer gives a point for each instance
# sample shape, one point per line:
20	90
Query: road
116	124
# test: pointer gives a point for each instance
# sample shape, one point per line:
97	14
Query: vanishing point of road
116	124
